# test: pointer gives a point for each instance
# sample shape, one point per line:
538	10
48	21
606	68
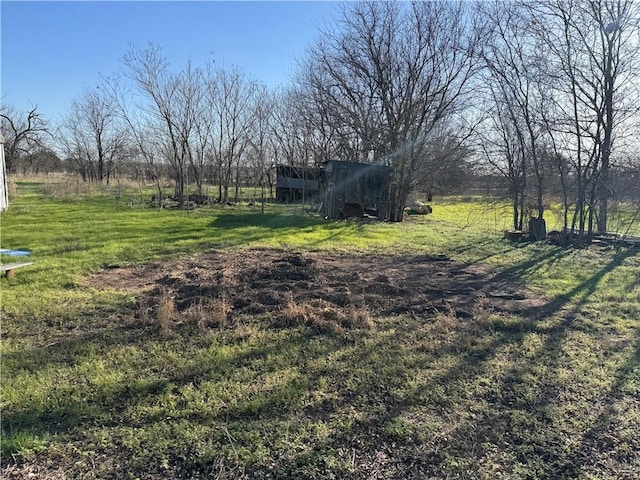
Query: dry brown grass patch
360	318
323	316
161	313
166	314
446	321
69	189
213	313
293	314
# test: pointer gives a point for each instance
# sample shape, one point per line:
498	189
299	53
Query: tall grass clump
210	313
323	317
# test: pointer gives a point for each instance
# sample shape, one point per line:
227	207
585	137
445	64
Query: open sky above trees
51	51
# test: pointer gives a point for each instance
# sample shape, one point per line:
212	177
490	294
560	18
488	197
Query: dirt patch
318	288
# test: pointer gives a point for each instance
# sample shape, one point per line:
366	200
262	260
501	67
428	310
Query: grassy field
90	389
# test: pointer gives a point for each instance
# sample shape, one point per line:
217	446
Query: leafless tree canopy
561	84
23	133
389	79
93	137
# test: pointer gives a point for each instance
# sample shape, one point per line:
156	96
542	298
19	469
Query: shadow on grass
79	408
480	245
520	270
374	405
552	404
608	415
578	296
530	416
236	229
265	220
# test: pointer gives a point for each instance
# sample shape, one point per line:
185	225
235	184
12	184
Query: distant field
227	343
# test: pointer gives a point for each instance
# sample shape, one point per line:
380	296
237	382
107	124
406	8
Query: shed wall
355	183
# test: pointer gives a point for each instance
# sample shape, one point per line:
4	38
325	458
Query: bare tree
615	57
93	136
502	145
388	75
593	53
166	99
23	133
260	151
301	137
140	130
42	160
513	71
230	98
201	142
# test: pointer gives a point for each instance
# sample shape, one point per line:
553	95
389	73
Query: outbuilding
353	189
294	184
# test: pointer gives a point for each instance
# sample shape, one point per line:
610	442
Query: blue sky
51	51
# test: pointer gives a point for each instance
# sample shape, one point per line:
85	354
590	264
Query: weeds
213	313
360	318
322	317
447	321
166	314
69	190
161	312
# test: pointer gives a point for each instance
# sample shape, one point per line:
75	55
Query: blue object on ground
15	253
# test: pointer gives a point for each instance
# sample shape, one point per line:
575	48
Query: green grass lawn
90	391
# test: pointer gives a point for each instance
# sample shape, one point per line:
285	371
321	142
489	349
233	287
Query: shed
4	194
297	183
352	189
